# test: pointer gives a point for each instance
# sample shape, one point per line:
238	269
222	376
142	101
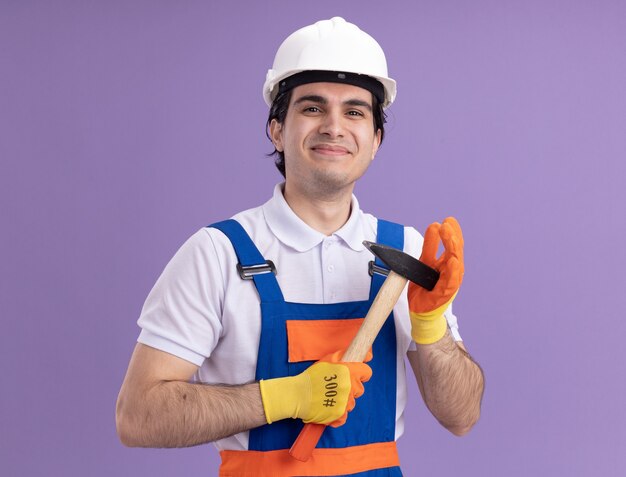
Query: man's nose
332	124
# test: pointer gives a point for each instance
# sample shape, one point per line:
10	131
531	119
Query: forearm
451	383
181	414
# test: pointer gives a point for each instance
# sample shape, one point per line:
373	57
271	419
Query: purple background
126	126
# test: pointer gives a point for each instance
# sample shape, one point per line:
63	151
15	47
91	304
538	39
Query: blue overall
373	418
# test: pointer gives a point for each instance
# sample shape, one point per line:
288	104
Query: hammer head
405	265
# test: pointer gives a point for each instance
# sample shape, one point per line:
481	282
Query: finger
450	279
364	372
357	389
456	227
457	234
431	244
336	357
450	242
459	255
351	403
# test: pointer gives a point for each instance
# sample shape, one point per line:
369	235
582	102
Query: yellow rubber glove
324	393
428	324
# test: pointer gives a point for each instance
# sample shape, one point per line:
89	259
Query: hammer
402	267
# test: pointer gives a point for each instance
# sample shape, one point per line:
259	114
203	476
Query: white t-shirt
202	311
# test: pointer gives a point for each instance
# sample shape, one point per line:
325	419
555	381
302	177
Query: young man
257	310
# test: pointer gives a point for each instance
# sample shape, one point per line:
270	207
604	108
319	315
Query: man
258	310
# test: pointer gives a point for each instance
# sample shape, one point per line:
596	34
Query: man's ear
376	143
276	134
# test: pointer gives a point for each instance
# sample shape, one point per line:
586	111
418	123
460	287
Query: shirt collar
295	233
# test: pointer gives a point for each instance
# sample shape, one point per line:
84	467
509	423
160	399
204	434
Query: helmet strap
316	76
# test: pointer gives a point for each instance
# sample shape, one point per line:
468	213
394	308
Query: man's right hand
324	393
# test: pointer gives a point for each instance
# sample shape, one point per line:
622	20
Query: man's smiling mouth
330	150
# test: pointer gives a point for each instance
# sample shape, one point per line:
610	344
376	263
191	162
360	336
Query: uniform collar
295	233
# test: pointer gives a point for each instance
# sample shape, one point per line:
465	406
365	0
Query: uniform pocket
311	340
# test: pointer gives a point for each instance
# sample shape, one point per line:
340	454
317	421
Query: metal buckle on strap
373	268
248	272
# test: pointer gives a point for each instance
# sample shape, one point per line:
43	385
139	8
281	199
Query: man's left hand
427	307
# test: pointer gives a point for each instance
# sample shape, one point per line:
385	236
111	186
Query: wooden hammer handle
382	306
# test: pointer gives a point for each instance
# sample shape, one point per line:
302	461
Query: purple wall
126	126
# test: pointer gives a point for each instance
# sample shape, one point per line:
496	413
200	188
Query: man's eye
312	109
355	113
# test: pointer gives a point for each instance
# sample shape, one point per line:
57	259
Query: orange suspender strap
338	461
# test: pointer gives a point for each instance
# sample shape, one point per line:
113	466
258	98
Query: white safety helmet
330	46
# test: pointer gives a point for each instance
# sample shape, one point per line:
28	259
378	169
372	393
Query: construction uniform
273	325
